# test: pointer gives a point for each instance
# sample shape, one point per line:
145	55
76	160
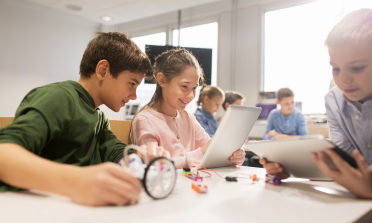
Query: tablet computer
294	155
230	135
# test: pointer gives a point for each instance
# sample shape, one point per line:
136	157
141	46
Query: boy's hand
274	169
105	184
237	158
357	181
272	133
281	136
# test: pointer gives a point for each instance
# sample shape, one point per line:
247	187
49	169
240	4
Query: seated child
287	122
349	105
210	99
231	98
165	122
60	123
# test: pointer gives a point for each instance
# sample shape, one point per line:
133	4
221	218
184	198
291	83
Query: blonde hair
355	27
211	92
284	92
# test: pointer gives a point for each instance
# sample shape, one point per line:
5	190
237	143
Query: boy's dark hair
121	53
231	97
284	92
210	92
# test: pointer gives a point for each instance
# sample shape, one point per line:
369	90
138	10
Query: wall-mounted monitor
203	55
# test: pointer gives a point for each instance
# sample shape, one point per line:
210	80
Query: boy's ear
102	69
277	101
206	98
160	78
227	104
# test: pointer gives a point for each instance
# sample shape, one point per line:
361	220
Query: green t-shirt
59	122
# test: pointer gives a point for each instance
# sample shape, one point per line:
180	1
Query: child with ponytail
210	100
164	121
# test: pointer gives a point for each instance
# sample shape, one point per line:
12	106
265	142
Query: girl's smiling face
352	70
178	92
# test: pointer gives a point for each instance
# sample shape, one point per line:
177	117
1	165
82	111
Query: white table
225	202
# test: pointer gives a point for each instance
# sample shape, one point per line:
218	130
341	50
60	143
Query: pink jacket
182	136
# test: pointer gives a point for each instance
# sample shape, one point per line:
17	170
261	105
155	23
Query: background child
210	99
165	122
349	105
286	122
231	98
60	123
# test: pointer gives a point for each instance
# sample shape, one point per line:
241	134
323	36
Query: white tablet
293	154
230	135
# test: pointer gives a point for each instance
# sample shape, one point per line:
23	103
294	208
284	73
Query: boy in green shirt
61	122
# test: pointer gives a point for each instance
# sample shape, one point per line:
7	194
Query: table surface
295	200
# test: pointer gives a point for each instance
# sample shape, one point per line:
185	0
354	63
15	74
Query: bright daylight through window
295	55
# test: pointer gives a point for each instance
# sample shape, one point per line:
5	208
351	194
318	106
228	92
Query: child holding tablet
210	99
349	105
164	121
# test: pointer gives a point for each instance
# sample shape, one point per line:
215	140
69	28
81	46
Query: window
202	36
152	39
295	55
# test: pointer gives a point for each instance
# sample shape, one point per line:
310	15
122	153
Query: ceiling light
106	18
75	8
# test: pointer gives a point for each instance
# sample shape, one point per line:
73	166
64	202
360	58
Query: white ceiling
120	10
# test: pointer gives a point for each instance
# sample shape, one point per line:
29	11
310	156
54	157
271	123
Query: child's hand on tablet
357	181
274	169
237	158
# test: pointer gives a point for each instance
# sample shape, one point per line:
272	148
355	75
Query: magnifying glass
158	176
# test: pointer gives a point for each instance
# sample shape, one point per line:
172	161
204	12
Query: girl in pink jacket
164	121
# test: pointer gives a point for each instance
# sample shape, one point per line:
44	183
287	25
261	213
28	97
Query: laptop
230	135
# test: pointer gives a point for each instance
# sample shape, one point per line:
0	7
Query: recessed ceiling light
75	8
106	18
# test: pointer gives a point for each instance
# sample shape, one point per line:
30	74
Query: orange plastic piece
196	188
254	178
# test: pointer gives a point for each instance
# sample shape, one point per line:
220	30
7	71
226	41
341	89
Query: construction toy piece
199	188
254	178
273	180
232	179
186	173
194	177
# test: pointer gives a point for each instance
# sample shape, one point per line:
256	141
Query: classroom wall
247	63
249	34
41	45
38	46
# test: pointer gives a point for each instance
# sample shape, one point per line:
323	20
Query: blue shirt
350	123
293	124
207	121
